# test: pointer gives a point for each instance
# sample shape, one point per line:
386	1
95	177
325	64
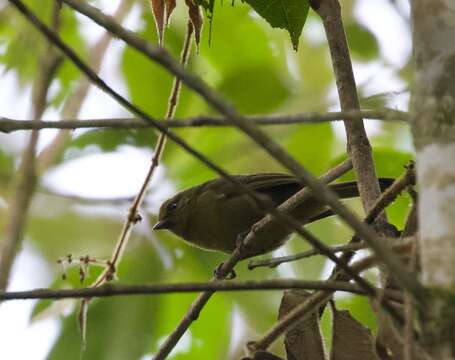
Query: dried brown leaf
263	355
350	339
159	10
196	19
170	6
304	341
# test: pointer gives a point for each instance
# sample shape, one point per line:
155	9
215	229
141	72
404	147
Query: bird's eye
172	206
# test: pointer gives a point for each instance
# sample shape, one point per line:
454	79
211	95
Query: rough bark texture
434	134
433	127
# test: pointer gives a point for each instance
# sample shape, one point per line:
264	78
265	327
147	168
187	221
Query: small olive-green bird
214	214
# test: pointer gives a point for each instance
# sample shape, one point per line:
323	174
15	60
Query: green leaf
360	309
284	14
110	140
311	145
265	82
6	166
362	41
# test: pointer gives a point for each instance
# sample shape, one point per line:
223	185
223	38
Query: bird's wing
278	187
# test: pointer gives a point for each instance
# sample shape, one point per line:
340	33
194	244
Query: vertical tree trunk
433	127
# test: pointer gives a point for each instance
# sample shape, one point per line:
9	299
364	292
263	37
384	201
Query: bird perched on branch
214	214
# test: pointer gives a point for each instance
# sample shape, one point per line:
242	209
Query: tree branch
10	125
274	262
358	146
108	290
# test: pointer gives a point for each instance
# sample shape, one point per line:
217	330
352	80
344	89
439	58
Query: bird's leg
217	273
239	242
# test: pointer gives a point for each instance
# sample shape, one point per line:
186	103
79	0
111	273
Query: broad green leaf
284	14
238	41
266	83
362	42
311	145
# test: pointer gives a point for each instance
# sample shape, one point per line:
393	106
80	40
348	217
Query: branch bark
433	127
10	125
358	145
109	290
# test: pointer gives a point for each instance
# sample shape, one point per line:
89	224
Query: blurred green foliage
254	67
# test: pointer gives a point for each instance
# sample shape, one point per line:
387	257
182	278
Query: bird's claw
217	273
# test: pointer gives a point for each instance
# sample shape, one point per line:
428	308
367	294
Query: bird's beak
162	224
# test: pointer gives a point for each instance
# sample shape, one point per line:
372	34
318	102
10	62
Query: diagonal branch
358	145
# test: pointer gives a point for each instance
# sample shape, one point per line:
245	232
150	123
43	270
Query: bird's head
174	214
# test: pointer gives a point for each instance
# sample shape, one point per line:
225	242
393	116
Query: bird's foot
218	274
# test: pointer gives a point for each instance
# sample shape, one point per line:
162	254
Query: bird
214	214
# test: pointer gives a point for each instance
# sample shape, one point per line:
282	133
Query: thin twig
109	290
274	262
10	125
392	192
